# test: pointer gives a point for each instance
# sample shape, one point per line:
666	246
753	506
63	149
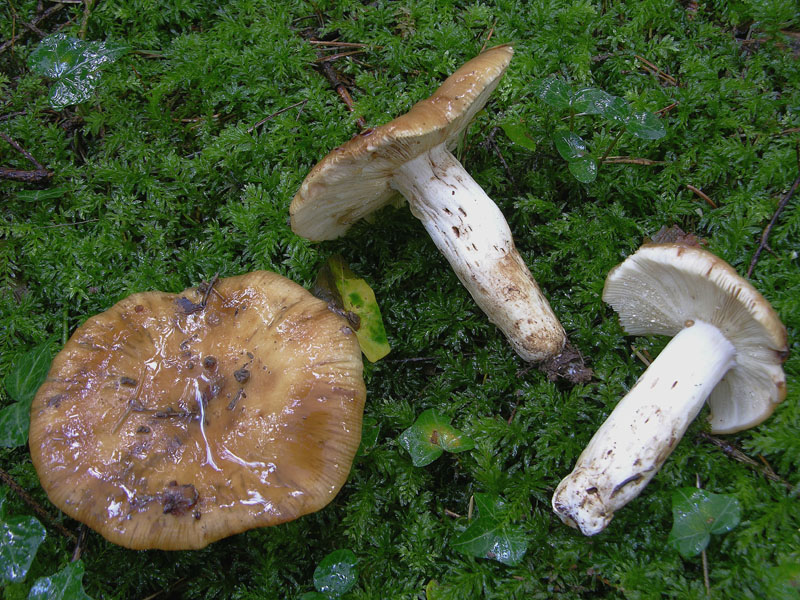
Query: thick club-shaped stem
472	234
644	428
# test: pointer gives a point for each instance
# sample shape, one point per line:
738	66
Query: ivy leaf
73	64
28	373
553	91
67	584
590	101
21	384
645	125
20	538
490	535
584	169
431	435
696	514
569	145
338	285
370	428
336	574
313	596
519	134
617	110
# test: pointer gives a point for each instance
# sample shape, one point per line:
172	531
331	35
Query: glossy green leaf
357	297
21	384
73	64
617	110
584	169
696	514
370	428
569	145
553	91
645	125
431	435
15	421
336	574
591	101
490	535
67	584
314	596
28	373
519	134
20	538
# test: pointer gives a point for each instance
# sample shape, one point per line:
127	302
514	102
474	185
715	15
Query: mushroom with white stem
411	155
728	347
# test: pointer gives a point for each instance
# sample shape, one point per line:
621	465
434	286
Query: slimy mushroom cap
170	422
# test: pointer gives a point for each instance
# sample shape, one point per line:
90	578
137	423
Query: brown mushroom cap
167	424
354	179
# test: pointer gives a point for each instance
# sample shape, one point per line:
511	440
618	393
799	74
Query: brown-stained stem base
568	365
35	506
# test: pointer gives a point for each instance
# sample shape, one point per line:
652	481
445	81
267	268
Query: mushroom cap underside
663	287
355	179
168	423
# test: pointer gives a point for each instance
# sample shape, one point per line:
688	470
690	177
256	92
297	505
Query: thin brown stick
340	44
737	455
341	90
338	55
35	506
37	175
702	195
275	114
703	553
656	71
666	109
76	554
629	160
35	23
762	243
21	150
488	37
87	9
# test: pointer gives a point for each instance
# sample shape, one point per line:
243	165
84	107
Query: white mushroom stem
474	237
644	428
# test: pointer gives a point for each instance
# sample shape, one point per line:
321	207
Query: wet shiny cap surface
169	423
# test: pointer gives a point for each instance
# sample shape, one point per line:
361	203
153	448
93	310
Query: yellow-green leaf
358	298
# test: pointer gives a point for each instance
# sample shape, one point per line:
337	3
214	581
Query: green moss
171	173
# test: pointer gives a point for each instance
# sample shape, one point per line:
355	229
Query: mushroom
170	423
411	155
728	347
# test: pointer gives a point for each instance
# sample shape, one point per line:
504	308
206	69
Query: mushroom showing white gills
168	423
411	155
728	347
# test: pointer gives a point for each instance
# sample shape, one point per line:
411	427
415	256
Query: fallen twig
629	160
762	243
341	90
35	506
35	23
489	36
702	195
741	457
275	114
338	55
650	67
40	173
